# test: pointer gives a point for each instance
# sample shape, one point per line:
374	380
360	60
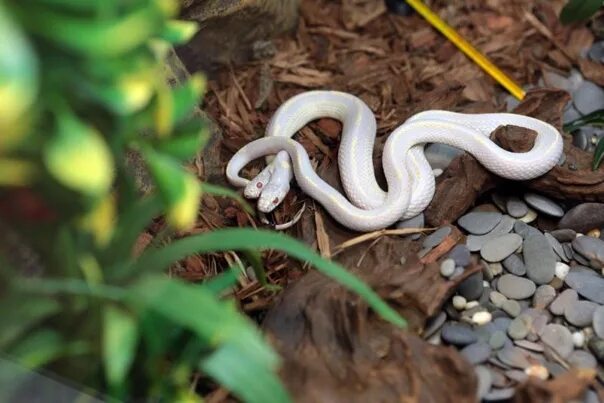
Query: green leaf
231	367
120	339
598	154
24	314
187	143
595	118
245	239
38	348
179	32
78	157
579	10
70	286
217	284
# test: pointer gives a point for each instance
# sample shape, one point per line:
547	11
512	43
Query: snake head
256	186
272	195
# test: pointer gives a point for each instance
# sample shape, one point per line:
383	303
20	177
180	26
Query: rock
502	323
516	207
556	246
587	284
499	395
519	327
590	248
497	339
413	222
578	339
561	270
461	255
582	359
559	304
458	334
538	371
471	288
596	346
440	155
485	380
434	325
583	218
528	345
588	97
598	321
564	235
516	375
479	222
539	258
511	307
543	204
459	302
436	237
544	295
481	318
558	338
580	313
515	287
501	247
231	31
447	267
476	353
514	357
497	298
529	217
514	265
476	242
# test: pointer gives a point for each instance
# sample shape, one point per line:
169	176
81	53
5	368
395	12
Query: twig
376	234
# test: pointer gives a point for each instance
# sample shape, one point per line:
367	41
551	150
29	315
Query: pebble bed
537	306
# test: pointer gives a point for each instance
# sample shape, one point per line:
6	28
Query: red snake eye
259	185
276	200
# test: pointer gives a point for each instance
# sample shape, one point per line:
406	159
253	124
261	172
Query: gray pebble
587	283
511	307
499	201
436	237
434	325
539	258
544	295
497	298
514	265
497	339
590	397
580	313
564	299
458	334
596	346
568	250
447	267
461	255
598	321
413	222
498	395
591	248
479	222
556	246
515	287
583	218
485	380
476	353
588	97
564	235
558	338
582	359
519	327
440	155
516	207
514	357
516	375
472	287
476	242
528	345
544	204
502	323
501	247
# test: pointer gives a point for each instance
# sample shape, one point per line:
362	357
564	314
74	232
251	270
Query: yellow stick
468	49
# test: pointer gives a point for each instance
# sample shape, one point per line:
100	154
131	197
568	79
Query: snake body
409	177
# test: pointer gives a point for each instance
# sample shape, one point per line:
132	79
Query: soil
334	348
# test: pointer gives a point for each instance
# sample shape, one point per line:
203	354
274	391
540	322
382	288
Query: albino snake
408	174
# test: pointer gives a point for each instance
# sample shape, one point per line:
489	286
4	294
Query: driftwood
465	179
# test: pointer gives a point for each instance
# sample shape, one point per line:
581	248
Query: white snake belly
409	177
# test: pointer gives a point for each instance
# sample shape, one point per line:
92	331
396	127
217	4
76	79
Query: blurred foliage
82	84
579	10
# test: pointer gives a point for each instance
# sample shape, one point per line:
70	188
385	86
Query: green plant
82	83
595	118
579	10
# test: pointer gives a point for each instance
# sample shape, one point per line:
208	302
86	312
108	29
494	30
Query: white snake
410	180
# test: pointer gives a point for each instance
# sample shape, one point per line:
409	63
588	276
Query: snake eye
276	200
259	185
